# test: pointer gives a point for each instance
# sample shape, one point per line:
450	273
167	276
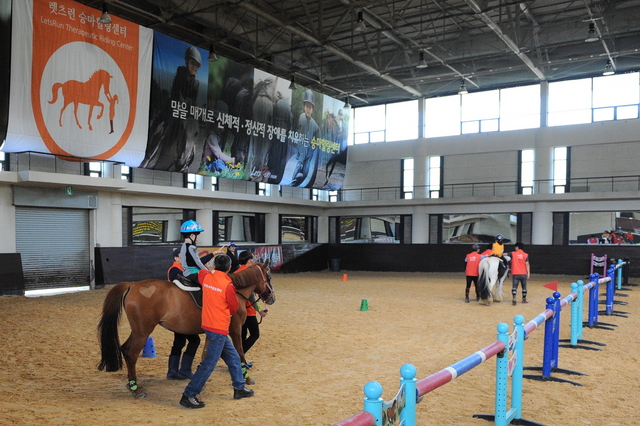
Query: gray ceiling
490	44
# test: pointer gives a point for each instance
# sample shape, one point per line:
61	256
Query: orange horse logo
87	93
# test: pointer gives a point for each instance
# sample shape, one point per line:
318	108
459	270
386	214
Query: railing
46	162
504	188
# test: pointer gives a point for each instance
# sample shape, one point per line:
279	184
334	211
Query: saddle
191	287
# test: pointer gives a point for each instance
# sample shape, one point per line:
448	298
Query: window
151	225
294	229
526	171
616	97
125	173
520	108
314	195
263	189
369	124
560	169
334	196
407	178
4	161
215	186
93	169
435	173
193	181
480	111
442	116
570	102
402	121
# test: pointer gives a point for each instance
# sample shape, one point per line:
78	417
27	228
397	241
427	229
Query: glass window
570	102
434	176
407	178
334	196
520	108
604	227
151	225
479	228
480	105
614	90
293	229
526	171
627	112
3	161
214	184
402	121
559	169
125	173
94	169
442	116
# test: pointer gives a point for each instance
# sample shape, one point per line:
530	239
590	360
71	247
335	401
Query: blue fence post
610	289
516	376
502	373
373	401
576	314
408	414
547	351
593	300
619	283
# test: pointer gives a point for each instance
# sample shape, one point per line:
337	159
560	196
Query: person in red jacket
219	302
471	271
520	272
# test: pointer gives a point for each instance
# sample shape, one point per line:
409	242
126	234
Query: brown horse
79	92
151	302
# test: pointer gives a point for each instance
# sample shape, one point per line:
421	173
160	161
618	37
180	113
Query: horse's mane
247	277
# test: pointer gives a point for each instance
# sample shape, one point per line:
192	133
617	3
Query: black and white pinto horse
490	280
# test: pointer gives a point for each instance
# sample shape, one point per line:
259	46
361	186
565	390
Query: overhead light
105	19
463	88
360	26
422	63
293	86
608	68
212	54
592	36
346	103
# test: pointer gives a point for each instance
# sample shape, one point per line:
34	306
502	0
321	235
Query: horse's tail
56	87
482	281
108	329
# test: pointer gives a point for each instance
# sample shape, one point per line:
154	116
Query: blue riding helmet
190	226
232	244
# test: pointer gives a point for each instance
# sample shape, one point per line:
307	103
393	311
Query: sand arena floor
316	353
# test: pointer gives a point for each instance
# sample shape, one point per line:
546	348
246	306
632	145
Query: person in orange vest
520	271
219	302
471	271
487	252
251	326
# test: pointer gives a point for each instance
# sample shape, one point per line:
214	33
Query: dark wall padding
137	263
11	276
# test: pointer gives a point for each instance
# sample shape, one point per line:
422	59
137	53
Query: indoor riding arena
443	194
316	352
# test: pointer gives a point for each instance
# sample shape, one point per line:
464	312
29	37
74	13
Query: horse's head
266	291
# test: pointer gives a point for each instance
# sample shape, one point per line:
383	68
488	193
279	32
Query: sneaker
466	299
524	300
192	401
249	364
242	393
513	302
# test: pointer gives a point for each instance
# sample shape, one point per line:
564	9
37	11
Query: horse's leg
64	106
89	119
101	105
75	113
131	352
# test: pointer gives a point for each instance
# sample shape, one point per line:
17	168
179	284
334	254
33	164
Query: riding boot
185	367
173	373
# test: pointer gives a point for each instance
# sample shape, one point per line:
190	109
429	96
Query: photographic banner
78	87
225	119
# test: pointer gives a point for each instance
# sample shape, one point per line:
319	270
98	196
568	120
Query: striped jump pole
551	341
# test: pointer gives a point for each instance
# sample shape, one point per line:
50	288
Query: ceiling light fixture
346	103
608	68
212	54
105	19
463	88
360	25
293	86
422	63
592	34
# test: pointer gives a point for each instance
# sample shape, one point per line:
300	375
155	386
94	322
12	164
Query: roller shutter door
54	244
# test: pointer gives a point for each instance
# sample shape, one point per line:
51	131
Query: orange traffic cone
344	277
